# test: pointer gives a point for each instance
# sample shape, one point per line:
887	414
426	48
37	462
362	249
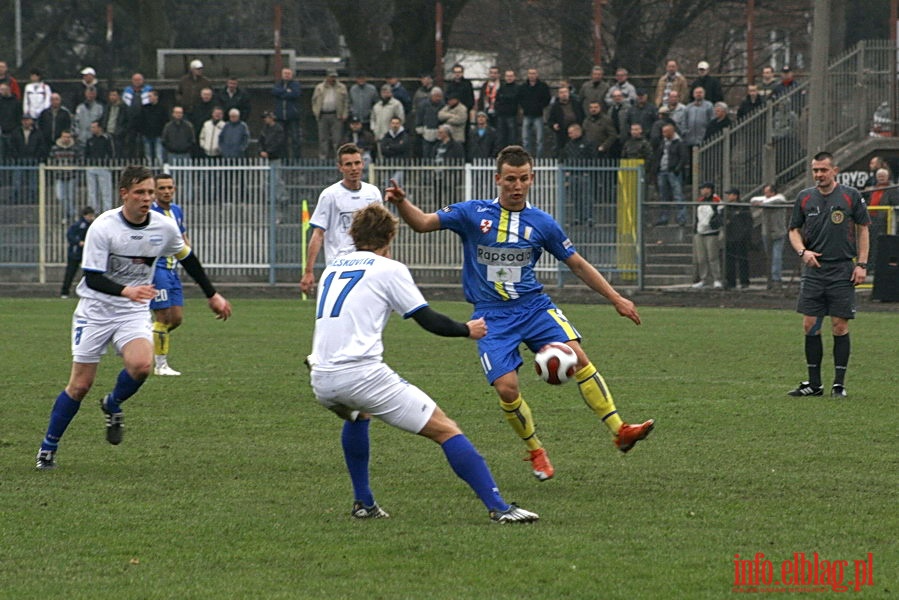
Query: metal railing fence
244	216
770	145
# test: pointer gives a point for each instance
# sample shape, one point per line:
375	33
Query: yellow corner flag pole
304	227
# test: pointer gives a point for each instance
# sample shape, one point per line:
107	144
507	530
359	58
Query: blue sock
472	468
125	387
62	414
355	441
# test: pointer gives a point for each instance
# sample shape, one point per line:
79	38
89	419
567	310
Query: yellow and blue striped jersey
175	212
500	248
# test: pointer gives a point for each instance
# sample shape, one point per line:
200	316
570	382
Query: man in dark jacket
115	121
10	117
54	120
507	110
153	118
187	93
737	238
752	102
711	85
482	138
26	145
461	87
580	191
533	97
636	145
233	96
719	123
75	236
178	137
286	92
363	138
669	161
98	149
396	143
272	141
564	111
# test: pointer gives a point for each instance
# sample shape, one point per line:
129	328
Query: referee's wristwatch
801	252
862	265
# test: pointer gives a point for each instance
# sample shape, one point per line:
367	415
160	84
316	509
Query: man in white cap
88	81
711	85
187	94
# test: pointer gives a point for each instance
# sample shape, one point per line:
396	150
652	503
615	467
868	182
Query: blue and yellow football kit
500	249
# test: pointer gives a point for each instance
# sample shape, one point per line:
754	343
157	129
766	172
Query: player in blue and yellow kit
168	305
502	240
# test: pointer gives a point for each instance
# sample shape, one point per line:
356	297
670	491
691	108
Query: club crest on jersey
837	217
486	225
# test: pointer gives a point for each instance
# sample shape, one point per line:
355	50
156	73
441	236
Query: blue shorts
535	322
168	289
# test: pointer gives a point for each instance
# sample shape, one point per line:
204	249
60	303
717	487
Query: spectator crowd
602	119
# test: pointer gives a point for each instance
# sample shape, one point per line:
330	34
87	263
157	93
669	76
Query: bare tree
395	36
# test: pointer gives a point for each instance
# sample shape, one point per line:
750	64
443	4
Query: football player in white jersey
334	211
356	295
120	254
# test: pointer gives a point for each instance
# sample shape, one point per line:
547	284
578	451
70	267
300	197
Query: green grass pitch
230	482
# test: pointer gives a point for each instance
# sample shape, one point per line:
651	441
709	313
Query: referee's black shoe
838	391
806	389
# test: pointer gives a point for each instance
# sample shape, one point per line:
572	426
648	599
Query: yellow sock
598	397
160	338
518	414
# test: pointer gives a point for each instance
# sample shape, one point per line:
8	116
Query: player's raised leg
598	397
471	467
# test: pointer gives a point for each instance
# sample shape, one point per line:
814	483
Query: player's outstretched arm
417	219
440	324
218	304
596	282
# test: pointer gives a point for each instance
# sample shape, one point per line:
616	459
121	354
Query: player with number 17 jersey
501	247
351	333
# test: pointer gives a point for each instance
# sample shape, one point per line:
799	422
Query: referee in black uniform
828	229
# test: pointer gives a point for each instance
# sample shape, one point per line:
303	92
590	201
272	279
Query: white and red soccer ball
556	363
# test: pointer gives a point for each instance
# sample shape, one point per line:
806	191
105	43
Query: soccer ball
555	363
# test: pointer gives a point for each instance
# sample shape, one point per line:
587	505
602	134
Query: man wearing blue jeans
774	230
533	97
670	159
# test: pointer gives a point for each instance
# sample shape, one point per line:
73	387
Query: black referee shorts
827	290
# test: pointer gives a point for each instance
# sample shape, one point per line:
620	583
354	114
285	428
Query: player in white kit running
120	254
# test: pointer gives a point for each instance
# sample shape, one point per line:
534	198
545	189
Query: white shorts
375	389
91	335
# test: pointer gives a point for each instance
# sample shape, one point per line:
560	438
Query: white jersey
356	294
126	254
334	213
